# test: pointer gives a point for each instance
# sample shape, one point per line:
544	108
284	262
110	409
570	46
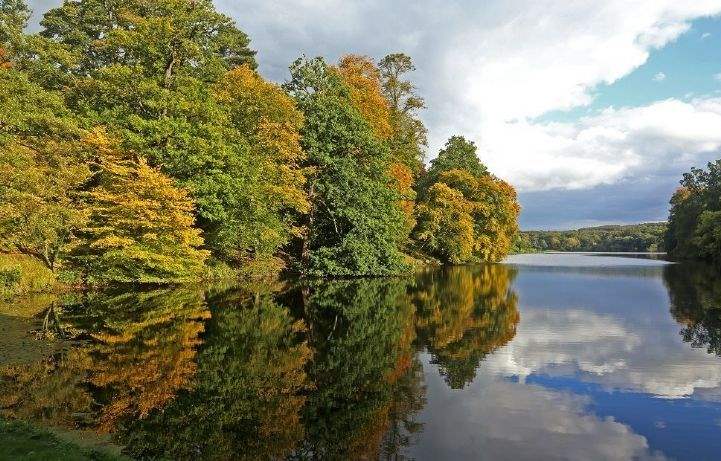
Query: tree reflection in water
464	313
325	369
695	292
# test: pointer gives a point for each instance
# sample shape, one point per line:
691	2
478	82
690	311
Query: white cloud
705	36
718	76
604	148
660	77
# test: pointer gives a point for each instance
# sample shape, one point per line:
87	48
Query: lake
548	356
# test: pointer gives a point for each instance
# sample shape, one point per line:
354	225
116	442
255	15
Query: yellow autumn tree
363	79
141	223
465	213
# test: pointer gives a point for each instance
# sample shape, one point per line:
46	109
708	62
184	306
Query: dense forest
694	226
630	238
140	144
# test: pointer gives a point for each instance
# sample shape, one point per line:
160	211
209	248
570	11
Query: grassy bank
20	440
22	275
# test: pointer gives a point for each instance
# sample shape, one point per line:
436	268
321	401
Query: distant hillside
630	238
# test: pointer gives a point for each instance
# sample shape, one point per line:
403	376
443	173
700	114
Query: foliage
465	214
273	193
408	138
363	80
14	17
355	224
141	224
632	238
164	38
42	168
694	225
318	176
22	275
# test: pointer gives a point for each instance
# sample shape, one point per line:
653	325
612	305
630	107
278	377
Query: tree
355	224
14	16
43	168
363	79
273	188
465	214
694	225
408	132
141	224
445	224
145	70
162	38
458	154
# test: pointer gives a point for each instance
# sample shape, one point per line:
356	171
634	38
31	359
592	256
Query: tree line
140	144
647	237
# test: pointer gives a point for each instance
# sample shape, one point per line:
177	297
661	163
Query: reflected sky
596	370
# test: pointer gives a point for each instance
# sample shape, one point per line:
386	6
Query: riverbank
21	440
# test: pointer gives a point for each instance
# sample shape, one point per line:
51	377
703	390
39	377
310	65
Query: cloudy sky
592	109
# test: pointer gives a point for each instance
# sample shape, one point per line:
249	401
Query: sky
592	109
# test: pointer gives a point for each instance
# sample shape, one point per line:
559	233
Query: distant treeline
631	238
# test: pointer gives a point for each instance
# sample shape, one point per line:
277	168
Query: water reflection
496	361
464	313
696	303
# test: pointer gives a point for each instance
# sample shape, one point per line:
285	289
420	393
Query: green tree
14	16
694	227
273	194
458	154
146	71
163	39
355	224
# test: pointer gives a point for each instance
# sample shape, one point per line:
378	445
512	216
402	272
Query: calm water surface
558	356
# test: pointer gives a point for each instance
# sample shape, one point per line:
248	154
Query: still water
544	357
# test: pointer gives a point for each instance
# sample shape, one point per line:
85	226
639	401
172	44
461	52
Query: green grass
21	441
21	275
